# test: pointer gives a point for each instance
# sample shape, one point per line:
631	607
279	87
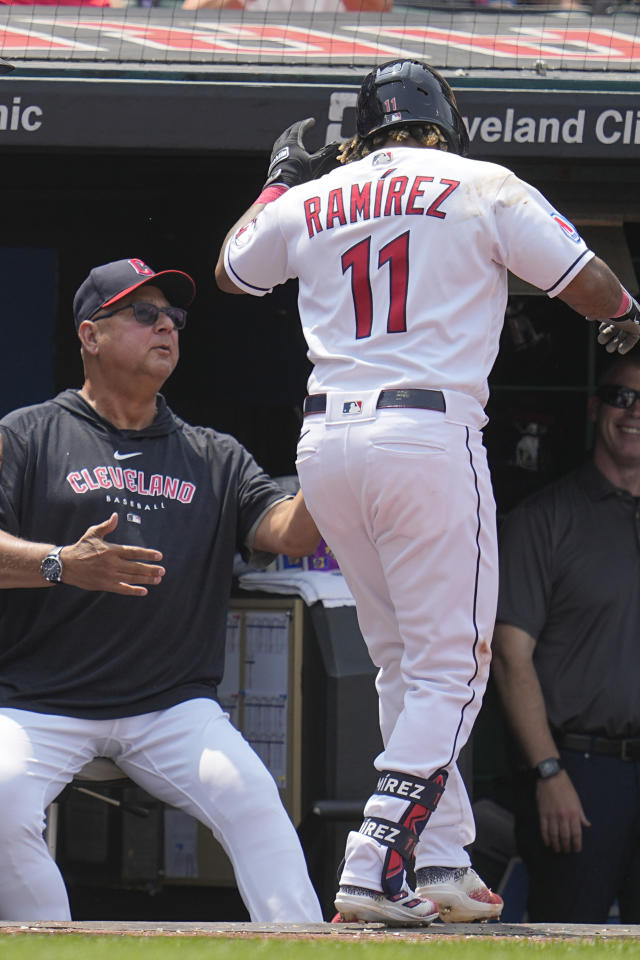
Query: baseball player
402	253
118	527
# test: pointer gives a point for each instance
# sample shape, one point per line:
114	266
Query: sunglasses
621	397
147	314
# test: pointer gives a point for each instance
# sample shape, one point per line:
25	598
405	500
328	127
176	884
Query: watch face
51	569
548	768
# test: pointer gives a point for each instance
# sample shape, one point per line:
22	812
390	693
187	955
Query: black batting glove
290	164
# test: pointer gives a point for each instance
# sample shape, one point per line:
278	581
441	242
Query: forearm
595	292
288	528
90	563
223	281
522	698
20	562
301	534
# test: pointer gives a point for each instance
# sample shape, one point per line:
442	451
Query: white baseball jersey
373	313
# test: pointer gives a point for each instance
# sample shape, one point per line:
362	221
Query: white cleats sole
407	910
463	900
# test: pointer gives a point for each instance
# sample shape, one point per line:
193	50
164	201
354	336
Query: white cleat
462	899
405	909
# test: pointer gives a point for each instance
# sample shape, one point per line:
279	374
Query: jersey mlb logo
383	158
352	407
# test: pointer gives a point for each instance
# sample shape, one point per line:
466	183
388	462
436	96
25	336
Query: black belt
623	749
420	399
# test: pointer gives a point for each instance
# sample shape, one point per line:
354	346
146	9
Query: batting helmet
5	66
407	91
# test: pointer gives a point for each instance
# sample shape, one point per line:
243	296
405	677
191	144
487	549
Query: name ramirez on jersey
385	198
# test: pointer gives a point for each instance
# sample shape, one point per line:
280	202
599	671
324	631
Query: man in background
567	662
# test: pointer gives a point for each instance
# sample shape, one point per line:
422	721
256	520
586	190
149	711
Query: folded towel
327	587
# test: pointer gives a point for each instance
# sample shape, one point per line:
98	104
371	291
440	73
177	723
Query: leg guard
402	836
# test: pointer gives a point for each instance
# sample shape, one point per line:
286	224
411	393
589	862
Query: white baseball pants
404	499
189	756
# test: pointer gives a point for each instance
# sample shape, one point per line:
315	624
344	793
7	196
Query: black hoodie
189	492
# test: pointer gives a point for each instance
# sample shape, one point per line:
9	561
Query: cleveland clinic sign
610	126
182	114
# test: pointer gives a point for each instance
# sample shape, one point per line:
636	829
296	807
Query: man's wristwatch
548	768
51	567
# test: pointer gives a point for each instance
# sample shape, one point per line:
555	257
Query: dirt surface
335	931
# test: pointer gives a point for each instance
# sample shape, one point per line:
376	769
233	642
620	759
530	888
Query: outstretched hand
618	337
620	333
93	564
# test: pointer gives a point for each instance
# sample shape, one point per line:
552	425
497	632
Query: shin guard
402	836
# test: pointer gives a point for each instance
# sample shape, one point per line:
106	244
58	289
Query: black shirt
187	491
570	577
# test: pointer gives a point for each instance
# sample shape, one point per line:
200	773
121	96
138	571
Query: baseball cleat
405	909
460	893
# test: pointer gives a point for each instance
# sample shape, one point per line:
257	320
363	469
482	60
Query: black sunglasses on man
617	396
147	313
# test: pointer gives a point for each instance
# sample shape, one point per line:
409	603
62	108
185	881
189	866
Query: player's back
402	263
399	285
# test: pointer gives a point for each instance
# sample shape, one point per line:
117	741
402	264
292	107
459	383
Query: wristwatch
548	768
51	567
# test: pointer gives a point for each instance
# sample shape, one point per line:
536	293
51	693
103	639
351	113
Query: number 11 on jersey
395	256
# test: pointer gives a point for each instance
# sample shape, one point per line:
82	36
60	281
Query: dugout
156	160
148	133
101	177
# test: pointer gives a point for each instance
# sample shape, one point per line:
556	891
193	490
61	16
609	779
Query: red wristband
271	193
625	305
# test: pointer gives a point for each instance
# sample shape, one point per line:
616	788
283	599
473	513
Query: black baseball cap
107	284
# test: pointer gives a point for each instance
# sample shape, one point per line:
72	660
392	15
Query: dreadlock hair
426	134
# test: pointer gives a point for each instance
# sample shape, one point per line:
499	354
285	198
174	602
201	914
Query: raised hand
291	164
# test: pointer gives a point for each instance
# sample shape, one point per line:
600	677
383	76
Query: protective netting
460	35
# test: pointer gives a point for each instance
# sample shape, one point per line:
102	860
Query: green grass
81	947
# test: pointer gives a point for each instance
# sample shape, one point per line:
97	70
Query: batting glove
622	334
290	164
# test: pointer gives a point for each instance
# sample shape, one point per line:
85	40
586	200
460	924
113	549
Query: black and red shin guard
401	836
